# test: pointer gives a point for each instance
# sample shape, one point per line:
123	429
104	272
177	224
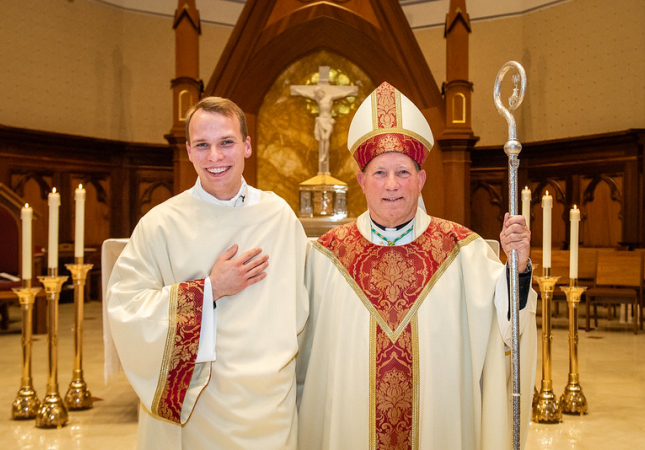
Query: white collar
402	236
237	200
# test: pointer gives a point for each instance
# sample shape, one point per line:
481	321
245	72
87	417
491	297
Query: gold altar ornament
26	404
52	412
573	400
78	395
546	408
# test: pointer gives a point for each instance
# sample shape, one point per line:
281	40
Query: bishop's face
392	185
217	151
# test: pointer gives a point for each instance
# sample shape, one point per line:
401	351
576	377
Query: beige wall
585	64
89	69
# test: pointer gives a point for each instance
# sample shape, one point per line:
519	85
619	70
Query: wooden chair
587	261
642	252
9	262
110	251
619	279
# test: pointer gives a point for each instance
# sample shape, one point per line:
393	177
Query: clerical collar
397	228
399	235
238	199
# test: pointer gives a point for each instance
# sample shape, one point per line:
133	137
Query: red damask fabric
181	352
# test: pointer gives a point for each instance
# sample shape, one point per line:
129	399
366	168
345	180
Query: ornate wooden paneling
123	180
602	203
487	207
601	174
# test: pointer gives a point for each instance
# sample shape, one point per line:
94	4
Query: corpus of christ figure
324	94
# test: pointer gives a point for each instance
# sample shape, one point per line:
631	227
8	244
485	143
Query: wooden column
458	139
186	89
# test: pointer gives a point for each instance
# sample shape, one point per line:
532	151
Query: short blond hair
218	105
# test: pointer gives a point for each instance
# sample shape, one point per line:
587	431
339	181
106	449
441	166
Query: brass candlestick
52	412
26	404
573	401
546	408
78	395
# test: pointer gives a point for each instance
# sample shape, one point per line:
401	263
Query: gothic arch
373	34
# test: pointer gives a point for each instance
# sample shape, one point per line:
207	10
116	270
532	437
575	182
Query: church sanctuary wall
91	69
584	62
86	68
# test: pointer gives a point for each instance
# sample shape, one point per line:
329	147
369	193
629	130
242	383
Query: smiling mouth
217	170
392	199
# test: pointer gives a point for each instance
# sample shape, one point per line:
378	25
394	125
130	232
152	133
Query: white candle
526	206
79	227
574	217
52	250
547	204
26	216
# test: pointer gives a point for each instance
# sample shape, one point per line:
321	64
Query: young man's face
217	151
392	184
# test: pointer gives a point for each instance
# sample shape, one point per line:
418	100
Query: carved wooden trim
561	164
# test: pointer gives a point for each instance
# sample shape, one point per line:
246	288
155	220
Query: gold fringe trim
416	383
372	391
167	354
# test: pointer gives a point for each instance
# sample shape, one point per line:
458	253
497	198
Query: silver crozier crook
512	148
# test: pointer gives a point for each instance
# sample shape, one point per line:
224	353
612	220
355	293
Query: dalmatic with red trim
392	282
242	393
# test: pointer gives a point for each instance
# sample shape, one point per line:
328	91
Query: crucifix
324	94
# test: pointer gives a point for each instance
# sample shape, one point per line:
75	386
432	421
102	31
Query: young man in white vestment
207	300
407	342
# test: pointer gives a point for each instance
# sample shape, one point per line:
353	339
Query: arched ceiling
420	13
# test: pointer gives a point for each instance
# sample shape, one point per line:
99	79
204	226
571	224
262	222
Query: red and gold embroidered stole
182	341
392	282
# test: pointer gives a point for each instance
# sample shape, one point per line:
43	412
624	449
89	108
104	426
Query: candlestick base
78	396
52	413
547	408
26	404
573	400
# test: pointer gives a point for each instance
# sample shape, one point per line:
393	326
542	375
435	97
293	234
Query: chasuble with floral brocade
394	281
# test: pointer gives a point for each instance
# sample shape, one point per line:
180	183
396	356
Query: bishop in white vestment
407	342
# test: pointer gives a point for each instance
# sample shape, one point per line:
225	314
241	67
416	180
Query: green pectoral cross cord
393	242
